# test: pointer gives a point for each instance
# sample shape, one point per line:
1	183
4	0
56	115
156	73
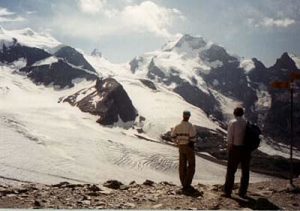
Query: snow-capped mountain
209	77
201	72
28	37
46	138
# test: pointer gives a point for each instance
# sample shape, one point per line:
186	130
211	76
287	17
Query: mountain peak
185	40
285	62
96	52
27	32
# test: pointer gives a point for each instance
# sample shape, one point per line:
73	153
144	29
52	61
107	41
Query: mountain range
48	89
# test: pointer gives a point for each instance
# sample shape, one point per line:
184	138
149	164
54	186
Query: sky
123	29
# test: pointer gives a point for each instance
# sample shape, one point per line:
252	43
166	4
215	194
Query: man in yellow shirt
184	135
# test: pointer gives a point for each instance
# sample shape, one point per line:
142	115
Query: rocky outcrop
271	195
73	57
277	121
107	99
195	96
59	74
17	51
148	84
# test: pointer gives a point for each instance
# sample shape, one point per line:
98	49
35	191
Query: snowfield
44	141
48	142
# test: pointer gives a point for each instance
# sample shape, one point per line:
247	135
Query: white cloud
91	6
149	17
16	19
8	16
146	17
5	12
270	22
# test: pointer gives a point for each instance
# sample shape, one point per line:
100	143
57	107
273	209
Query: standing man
237	153
184	135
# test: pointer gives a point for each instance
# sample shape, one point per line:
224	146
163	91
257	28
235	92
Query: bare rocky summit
149	195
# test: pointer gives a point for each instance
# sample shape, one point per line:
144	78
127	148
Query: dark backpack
252	139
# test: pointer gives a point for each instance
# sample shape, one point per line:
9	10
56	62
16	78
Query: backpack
251	138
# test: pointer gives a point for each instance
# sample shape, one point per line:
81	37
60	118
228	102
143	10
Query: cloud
91	6
146	17
270	22
8	16
5	12
16	19
149	17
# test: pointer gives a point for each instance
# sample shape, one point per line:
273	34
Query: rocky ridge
113	194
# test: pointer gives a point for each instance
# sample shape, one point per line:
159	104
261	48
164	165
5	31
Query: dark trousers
238	154
186	165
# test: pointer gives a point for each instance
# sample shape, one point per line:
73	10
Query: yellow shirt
183	133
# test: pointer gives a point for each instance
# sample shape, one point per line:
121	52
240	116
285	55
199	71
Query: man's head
186	115
238	112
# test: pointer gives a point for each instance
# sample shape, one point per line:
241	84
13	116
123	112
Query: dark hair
238	111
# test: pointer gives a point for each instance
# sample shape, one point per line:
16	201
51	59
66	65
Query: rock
132	183
59	74
265	193
130	205
148	183
86	197
113	184
157	206
86	202
72	56
94	188
167	183
149	84
107	100
93	194
124	187
37	203
61	184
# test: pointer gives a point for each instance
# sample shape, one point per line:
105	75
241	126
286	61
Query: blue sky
122	29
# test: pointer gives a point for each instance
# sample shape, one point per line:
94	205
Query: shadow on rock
256	204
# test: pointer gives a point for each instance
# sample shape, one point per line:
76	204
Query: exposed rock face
196	97
107	99
59	73
17	51
190	92
277	122
232	81
216	52
74	57
149	84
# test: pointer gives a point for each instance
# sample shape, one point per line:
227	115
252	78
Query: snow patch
295	59
47	61
247	65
